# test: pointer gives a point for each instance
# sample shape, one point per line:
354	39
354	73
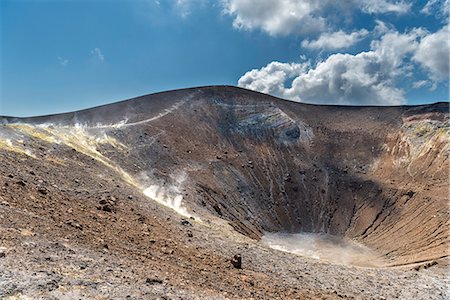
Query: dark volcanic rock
236	261
153	281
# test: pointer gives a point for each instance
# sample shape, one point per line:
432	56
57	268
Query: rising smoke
167	192
324	247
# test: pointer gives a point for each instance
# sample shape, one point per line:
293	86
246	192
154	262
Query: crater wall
378	175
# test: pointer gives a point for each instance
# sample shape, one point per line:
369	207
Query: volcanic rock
236	261
377	176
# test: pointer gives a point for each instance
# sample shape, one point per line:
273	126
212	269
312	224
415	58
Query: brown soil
75	222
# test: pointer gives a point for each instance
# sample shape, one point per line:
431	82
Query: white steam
325	247
89	141
161	195
169	195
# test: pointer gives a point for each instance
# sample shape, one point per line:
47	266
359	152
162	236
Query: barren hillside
153	196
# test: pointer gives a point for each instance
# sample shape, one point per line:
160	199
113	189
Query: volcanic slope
152	196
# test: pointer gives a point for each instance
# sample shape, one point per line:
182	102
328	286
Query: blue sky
60	56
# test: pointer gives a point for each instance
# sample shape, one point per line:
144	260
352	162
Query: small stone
409	193
21	183
185	223
74	224
217	209
2	254
189	233
153	281
236	261
130	197
107	208
430	264
43	190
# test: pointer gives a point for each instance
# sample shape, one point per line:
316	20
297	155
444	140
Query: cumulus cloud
299	17
97	53
368	77
335	40
271	78
392	49
341	79
277	16
433	54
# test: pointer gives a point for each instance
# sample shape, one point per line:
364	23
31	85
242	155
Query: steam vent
157	196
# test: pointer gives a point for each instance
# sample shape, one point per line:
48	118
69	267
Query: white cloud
184	7
365	78
392	49
341	79
420	84
335	40
97	53
429	7
62	61
299	17
271	78
382	28
440	8
276	17
433	54
385	6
